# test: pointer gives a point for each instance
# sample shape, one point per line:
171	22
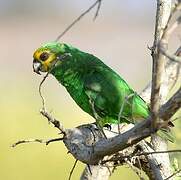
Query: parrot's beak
36	66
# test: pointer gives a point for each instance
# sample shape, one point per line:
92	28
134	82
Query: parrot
95	87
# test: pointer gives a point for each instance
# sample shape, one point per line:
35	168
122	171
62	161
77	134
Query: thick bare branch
89	150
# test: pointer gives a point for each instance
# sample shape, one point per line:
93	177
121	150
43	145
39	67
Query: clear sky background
119	36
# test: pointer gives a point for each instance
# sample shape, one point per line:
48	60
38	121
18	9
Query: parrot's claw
108	126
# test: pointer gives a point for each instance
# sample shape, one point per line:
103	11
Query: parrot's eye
44	56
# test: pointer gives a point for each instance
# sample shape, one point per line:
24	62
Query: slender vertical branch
162	16
159	90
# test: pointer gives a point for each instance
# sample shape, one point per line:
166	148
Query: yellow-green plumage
95	87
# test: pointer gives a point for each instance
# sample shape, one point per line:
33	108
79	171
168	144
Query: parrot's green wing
106	95
111	97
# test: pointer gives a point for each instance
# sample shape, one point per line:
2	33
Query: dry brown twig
98	9
80	17
36	140
72	170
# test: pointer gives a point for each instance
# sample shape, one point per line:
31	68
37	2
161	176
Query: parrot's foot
108	126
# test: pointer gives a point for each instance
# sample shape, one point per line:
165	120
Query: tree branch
162	16
80	17
36	140
159	90
82	149
52	120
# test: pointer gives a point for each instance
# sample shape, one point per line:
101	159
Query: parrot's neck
72	80
70	77
70	70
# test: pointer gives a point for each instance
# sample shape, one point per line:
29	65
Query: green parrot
95	87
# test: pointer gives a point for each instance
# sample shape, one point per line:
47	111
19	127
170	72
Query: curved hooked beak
36	66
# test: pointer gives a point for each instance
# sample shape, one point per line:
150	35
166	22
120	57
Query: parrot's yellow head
46	56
